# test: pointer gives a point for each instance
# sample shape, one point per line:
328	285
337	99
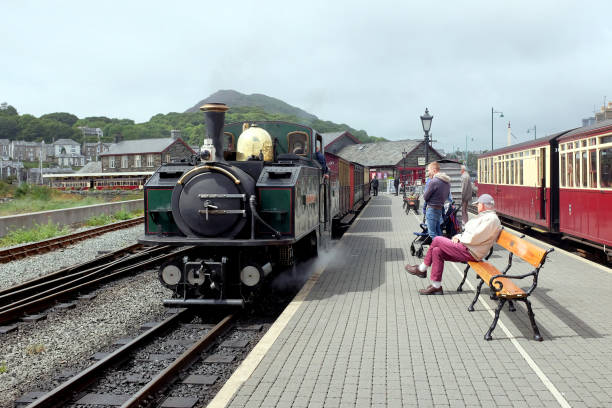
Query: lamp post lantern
535	132
426	122
501	115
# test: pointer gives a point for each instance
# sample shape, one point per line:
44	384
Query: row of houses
65	152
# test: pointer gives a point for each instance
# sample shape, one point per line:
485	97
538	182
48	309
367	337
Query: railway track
146	395
41	293
22	251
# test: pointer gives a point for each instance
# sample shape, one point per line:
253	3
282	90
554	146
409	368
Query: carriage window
507	179
562	147
512	172
570	169
584	169
592	141
606	139
563	170
593	169
298	143
605	167
520	172
584	143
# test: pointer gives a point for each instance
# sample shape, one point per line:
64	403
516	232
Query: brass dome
252	141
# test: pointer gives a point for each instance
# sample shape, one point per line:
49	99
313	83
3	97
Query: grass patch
104	219
38	233
3	368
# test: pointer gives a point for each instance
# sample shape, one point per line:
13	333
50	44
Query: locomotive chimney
215	119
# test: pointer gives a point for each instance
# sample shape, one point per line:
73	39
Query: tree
9	127
7	110
63	117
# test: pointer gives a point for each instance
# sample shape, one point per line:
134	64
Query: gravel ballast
67	339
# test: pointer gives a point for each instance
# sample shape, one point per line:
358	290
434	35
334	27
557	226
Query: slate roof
329	137
379	153
65	142
91	167
140	146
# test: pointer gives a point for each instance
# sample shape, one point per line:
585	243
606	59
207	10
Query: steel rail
64	392
48	298
184	360
22	251
26	288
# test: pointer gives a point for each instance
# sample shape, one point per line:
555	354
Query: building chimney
215	119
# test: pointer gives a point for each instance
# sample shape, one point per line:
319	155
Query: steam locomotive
252	201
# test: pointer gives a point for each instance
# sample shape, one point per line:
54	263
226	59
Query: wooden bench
502	287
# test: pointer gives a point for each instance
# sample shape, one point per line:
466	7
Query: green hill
236	99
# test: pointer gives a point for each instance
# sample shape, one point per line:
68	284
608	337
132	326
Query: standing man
436	193
322	162
375	186
472	244
466	194
396	183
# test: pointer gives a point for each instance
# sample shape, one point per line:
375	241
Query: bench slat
485	270
521	248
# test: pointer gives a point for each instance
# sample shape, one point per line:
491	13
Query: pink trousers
443	249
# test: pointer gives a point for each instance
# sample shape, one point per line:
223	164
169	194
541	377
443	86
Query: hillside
270	105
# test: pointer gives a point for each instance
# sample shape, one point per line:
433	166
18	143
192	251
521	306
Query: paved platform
360	335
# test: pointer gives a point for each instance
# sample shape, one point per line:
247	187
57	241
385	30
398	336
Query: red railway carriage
585	184
520	180
349	181
560	183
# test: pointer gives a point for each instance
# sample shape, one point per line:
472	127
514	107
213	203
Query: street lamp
501	115
404	154
535	132
426	122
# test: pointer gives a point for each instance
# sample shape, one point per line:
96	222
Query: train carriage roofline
597	129
539	142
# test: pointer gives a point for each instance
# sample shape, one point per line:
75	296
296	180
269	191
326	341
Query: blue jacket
322	162
438	190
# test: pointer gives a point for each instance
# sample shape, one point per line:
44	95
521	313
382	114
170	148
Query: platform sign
421	161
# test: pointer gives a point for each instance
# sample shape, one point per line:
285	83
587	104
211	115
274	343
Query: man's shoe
414	270
430	290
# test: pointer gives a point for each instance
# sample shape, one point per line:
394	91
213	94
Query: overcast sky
373	65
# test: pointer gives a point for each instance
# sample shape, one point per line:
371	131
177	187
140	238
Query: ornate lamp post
535	132
404	154
426	122
501	115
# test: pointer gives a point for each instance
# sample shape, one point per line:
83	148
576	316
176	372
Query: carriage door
542	174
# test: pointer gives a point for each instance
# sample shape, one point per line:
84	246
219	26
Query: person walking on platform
396	185
466	194
436	193
374	185
473	244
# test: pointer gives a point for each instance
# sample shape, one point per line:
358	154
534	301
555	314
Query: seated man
472	245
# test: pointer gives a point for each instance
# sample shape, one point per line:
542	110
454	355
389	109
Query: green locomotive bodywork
244	218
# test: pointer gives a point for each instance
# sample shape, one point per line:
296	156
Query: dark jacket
374	183
322	162
437	190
